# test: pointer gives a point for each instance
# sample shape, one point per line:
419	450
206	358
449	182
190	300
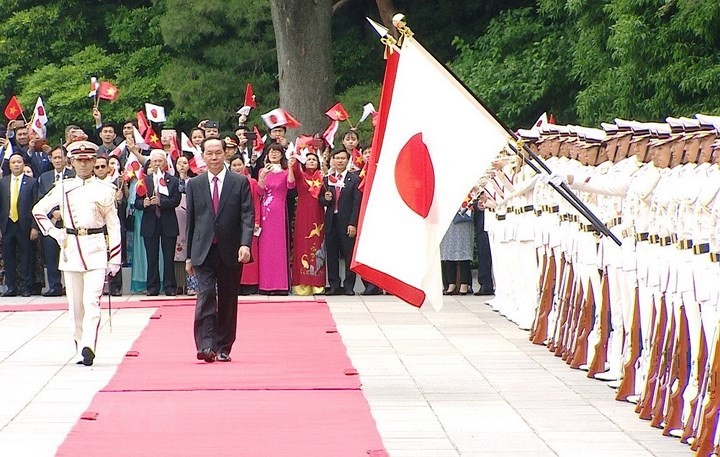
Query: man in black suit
482	243
220	222
159	224
18	194
342	207
50	248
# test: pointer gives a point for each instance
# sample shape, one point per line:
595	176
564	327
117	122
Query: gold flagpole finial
399	23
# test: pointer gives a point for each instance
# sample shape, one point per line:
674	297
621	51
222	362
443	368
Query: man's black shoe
25	293
116	293
88	356
349	292
207	354
53	293
332	291
10	293
170	293
484	292
223	357
153	294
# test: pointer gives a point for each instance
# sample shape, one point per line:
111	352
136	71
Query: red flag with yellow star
13	109
337	113
107	91
152	138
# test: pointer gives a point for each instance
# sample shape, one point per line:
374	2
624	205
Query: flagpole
563	188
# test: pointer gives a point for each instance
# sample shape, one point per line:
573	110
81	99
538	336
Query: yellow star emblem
12	111
154	138
111	92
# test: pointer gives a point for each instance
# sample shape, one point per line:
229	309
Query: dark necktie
57	177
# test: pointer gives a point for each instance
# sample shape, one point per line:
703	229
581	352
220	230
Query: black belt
684	244
524	209
588	228
84	231
500	217
643	236
702	248
715	256
614	221
538	212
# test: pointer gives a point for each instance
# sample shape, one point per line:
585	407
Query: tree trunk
304	54
387	10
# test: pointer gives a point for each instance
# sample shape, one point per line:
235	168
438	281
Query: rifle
559	302
664	374
703	444
679	372
627	386
691	426
644	405
597	365
541	282
572	318
583	329
546	301
555	302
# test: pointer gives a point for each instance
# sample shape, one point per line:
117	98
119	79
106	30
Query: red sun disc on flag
37	123
273	119
40	111
162	181
153	113
415	176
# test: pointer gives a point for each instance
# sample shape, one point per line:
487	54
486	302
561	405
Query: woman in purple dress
273	242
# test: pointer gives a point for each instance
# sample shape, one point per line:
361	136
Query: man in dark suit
220	222
18	194
159	224
342	207
482	243
50	248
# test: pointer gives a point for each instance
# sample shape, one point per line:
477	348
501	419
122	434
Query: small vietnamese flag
142	121
140	188
258	144
249	97
107	91
152	139
13	109
337	113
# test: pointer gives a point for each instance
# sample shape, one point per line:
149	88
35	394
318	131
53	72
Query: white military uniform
88	212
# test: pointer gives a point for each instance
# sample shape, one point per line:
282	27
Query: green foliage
353	100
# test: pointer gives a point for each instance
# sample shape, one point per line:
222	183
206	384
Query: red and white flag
280	118
197	163
368	109
541	122
39	119
140	140
418	175
133	167
337	112
330	132
94	85
118	149
159	181
155	113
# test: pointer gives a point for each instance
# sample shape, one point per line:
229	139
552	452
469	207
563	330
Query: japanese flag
39	119
280	118
196	162
155	113
419	175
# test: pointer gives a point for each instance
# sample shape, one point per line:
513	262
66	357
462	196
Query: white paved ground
461	382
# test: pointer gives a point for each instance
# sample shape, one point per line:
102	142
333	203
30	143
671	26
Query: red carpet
286	392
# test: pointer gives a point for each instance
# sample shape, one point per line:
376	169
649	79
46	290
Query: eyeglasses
99	167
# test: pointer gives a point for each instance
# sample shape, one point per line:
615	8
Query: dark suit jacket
348	205
233	226
168	220
40	163
46	181
26	199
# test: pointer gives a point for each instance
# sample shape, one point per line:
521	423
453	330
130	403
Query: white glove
557	179
544	178
58	235
112	269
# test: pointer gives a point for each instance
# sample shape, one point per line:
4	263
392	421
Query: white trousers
84	289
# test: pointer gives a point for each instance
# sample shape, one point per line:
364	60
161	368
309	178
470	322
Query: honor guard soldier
88	212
